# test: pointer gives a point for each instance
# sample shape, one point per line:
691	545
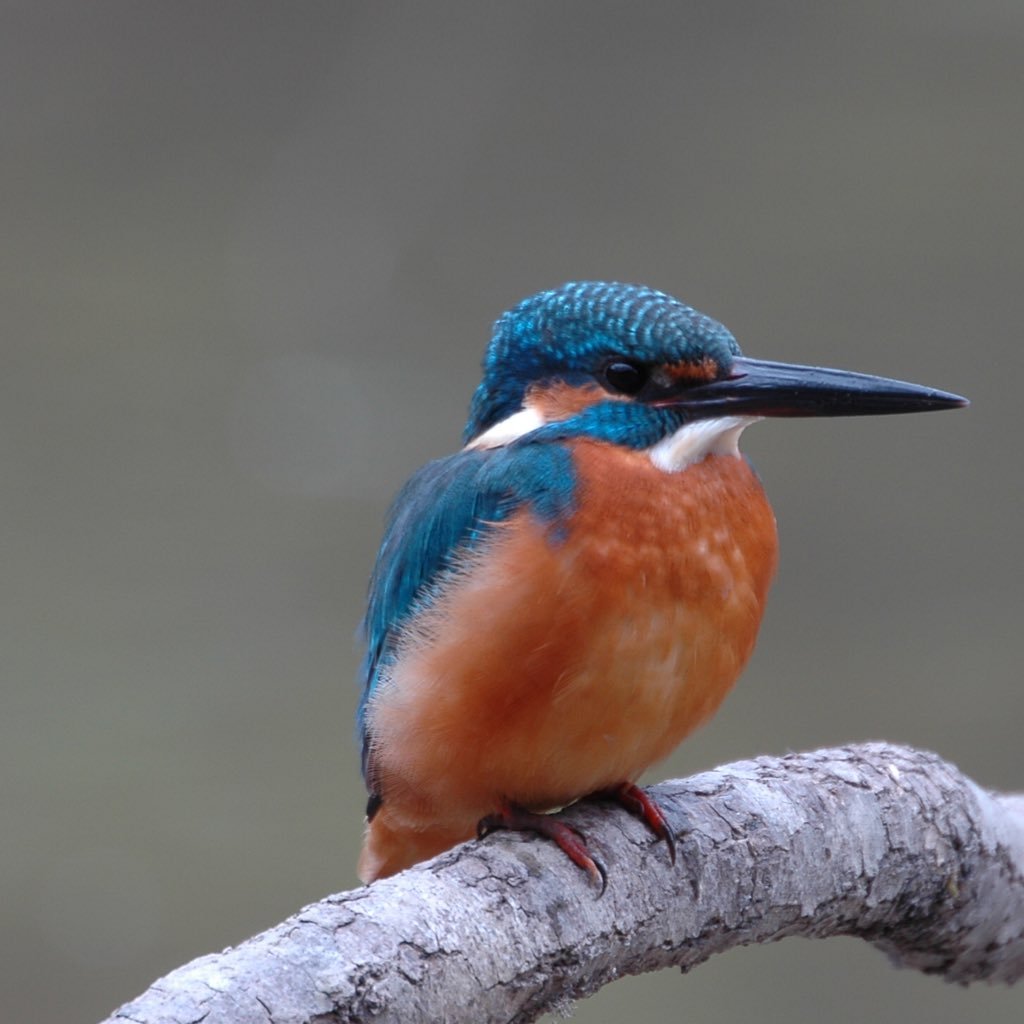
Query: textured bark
886	843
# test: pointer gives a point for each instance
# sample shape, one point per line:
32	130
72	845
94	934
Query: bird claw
571	841
640	805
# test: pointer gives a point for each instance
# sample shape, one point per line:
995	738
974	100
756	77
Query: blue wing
444	509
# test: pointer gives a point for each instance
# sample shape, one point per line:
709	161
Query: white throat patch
694	441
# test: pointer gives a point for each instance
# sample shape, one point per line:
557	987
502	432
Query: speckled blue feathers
564	333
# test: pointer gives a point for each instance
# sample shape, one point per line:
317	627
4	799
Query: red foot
641	806
518	819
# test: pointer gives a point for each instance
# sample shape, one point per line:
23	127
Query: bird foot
641	806
518	819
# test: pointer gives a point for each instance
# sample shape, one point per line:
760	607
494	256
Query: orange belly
550	668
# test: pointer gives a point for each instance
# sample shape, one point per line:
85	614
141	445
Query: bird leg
518	819
641	806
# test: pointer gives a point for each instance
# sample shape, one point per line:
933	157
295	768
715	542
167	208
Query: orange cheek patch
557	400
704	370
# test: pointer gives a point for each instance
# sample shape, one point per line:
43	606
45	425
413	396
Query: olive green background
250	257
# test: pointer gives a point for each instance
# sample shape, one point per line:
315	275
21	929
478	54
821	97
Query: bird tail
390	846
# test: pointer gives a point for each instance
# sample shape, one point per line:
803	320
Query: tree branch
883	842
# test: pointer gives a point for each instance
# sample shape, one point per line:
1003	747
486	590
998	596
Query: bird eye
623	376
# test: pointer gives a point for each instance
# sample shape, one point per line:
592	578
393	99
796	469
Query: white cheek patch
510	429
694	441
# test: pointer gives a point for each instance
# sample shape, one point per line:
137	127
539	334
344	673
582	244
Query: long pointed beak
756	387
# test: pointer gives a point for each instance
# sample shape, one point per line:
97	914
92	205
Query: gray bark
886	843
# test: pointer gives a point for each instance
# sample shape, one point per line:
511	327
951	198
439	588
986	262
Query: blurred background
251	255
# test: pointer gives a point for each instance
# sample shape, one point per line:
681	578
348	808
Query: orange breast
551	668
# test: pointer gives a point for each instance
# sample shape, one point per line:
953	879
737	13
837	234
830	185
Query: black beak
756	387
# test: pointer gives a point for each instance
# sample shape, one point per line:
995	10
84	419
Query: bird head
631	365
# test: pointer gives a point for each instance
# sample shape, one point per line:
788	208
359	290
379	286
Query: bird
560	602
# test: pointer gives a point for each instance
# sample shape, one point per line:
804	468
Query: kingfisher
559	603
